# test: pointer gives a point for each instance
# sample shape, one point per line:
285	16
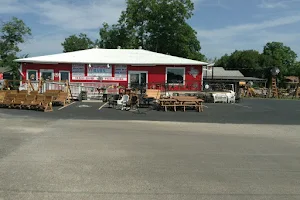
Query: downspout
202	86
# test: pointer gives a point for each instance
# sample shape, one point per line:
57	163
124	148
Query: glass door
137	79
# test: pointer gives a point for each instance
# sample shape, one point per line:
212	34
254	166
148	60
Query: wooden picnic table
167	103
182	102
189	102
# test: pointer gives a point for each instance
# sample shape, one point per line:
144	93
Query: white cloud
272	4
90	15
217	42
12	6
231	31
64	17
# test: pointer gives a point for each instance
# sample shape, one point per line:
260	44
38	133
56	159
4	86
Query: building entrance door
137	79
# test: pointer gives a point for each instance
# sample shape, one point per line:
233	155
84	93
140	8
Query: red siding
156	74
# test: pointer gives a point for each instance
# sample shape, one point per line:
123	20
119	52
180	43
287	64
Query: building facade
118	67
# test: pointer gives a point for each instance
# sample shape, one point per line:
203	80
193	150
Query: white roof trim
112	56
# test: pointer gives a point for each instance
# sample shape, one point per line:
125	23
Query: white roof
113	56
221	72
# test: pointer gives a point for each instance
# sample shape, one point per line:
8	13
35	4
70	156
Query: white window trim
166	75
47	70
137	72
64	71
36	74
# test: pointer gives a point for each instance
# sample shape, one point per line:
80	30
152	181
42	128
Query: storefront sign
85	78
114	79
121	72
100	71
78	70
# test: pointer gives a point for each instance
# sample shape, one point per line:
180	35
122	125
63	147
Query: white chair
230	97
220	97
123	102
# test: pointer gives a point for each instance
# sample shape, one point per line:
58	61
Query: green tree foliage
114	36
281	56
76	43
252	63
156	25
247	61
12	34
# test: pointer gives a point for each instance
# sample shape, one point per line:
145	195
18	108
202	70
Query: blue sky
222	25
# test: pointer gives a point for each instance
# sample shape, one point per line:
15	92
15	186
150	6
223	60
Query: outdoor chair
62	98
112	101
23	92
2	97
134	102
37	102
231	97
34	93
8	100
53	93
28	101
18	101
123	102
46	105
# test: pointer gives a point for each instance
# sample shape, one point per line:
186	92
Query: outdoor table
188	101
167	102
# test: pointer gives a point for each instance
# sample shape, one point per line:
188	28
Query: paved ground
85	159
65	155
250	111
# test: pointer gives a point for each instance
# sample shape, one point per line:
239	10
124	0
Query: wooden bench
37	101
2	96
28	101
53	93
8	100
62	98
46	104
18	101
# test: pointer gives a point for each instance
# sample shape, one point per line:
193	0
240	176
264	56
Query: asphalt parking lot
249	111
81	152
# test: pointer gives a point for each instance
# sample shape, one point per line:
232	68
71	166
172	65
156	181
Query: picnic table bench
182	101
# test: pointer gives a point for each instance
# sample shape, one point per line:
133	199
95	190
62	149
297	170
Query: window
47	75
175	75
31	75
64	75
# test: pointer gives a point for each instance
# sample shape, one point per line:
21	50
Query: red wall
156	74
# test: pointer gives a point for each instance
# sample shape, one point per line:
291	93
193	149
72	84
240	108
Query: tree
223	61
12	34
249	62
76	43
156	25
114	36
281	56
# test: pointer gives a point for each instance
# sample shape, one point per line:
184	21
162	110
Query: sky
222	26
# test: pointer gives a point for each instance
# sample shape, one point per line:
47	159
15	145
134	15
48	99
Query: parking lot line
66	105
103	106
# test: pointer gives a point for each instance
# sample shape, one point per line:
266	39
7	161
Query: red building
123	67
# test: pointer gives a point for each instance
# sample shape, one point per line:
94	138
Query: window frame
64	71
47	70
36	74
166	77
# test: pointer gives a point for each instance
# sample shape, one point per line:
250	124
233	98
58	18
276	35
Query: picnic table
182	101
